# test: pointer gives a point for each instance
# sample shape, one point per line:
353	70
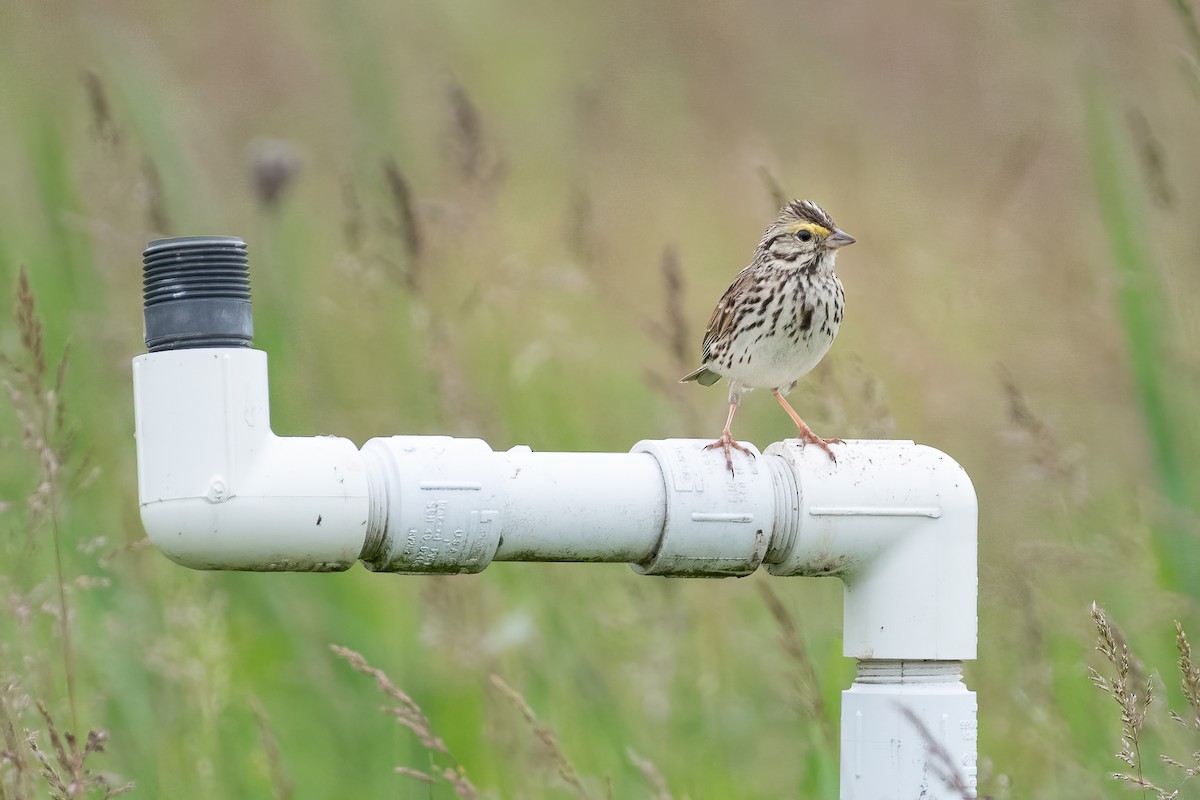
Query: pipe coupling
706	533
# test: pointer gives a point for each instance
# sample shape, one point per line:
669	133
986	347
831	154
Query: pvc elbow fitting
219	490
896	521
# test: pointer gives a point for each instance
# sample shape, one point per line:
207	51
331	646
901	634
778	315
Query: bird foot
806	436
727	444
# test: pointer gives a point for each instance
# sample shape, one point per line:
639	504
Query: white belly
776	356
778	363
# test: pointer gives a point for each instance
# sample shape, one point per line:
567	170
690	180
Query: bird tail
704	376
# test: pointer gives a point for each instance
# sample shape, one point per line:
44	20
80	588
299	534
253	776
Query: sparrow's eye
804	235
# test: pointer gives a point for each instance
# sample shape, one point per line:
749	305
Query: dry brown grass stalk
851	398
415	774
582	239
1122	688
103	126
1189	677
468	140
41	413
406	223
1051	460
441	358
458	780
676	332
453	384
671	328
36	396
467	127
1015	163
543	733
1153	158
352	213
779	196
65	768
1186	14
410	715
157	216
407	713
282	787
29	326
941	762
16	769
807	684
653	777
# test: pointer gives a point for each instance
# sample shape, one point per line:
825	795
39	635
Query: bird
778	318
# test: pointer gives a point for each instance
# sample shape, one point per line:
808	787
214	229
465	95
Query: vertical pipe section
908	730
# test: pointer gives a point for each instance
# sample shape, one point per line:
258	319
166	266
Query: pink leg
727	443
806	432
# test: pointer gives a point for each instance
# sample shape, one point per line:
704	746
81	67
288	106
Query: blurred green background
511	220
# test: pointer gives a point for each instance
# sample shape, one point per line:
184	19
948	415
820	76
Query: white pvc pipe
219	490
908	731
605	507
894	520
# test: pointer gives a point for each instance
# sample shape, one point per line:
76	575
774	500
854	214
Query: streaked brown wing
720	325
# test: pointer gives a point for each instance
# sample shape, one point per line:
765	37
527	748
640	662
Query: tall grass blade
1141	303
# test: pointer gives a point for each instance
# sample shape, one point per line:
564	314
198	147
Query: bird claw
807	436
726	443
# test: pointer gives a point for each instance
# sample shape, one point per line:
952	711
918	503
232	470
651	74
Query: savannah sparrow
778	318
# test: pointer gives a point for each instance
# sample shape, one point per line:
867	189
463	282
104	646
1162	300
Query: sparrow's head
803	233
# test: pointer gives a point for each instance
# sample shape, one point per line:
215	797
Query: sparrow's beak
839	238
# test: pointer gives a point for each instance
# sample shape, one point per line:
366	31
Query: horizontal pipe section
580	506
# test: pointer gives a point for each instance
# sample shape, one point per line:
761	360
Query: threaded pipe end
196	293
896	671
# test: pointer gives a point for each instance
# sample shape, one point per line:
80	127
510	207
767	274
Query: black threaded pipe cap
197	293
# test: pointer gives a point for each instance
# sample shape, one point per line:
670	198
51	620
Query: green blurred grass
1148	325
1001	220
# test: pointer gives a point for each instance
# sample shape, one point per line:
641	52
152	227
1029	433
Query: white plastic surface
436	504
580	506
219	490
886	755
896	521
716	525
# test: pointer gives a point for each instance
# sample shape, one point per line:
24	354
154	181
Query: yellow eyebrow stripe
817	230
